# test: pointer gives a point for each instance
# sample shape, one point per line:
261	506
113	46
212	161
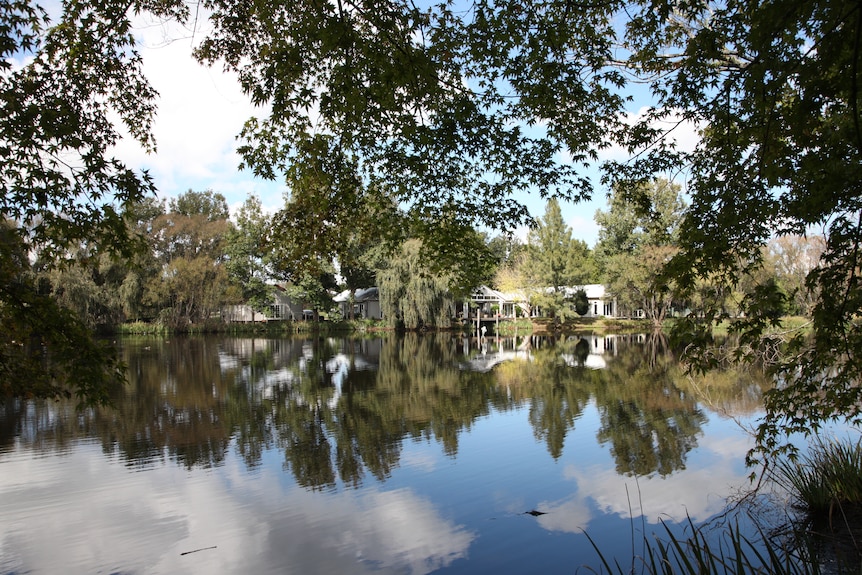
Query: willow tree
412	295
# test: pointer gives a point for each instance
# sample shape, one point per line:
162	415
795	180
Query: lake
416	454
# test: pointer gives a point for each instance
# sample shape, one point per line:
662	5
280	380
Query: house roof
484	293
593	291
361	295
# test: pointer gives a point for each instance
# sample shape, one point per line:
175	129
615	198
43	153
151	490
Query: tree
391	100
328	211
248	262
555	262
581	302
90	287
64	88
411	294
189	243
793	257
433	103
314	291
637	239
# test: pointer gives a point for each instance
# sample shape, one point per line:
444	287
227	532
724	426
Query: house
366	303
602	304
493	303
281	308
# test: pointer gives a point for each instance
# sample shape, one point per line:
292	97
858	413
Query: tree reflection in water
339	409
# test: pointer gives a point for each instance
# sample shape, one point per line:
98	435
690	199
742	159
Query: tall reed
828	476
727	551
826	487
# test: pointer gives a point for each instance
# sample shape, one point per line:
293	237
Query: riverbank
505	326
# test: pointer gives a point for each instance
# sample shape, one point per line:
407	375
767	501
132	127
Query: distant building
492	303
281	308
366	303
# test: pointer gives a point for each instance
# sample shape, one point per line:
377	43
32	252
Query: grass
273	328
829	476
826	486
142	328
698	554
788	324
519	326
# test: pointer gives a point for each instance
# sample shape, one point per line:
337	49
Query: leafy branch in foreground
64	88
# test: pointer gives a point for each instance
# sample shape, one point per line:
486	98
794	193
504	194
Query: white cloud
201	110
82	513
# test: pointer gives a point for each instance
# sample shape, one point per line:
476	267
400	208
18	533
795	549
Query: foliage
65	87
639	282
505	248
314	291
554	261
637	239
434	102
826	481
384	80
556	258
92	288
411	294
327	211
46	349
192	281
580	302
640	214
793	257
248	263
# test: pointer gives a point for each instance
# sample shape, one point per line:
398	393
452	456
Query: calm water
413	454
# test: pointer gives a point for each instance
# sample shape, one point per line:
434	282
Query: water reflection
340	410
113	521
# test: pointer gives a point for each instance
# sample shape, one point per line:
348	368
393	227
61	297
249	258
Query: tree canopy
555	261
639	234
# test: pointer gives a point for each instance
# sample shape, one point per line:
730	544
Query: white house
281	308
491	302
366	303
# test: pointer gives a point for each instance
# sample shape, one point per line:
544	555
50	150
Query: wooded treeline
196	259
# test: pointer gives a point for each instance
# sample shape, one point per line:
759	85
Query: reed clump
826	486
708	551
